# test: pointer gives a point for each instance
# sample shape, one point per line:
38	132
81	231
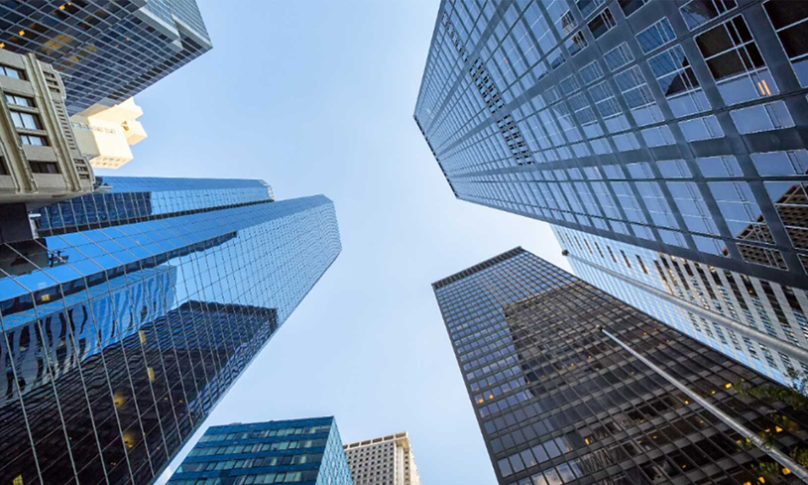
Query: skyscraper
107	50
568	383
133	313
306	451
670	127
387	460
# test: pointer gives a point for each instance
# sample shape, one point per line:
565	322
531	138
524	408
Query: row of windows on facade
309	458
283	477
724	62
741	213
212	435
254	448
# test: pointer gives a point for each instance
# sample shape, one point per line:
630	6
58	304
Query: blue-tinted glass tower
673	127
106	51
133	313
303	451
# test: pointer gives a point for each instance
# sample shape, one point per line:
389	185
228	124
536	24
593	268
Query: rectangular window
631	6
618	57
576	43
12	72
44	167
762	117
656	36
34	140
790	20
588	6
678	81
602	23
699	12
735	62
28	121
3	168
19	100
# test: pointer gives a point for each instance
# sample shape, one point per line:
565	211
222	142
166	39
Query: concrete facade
41	161
387	460
104	134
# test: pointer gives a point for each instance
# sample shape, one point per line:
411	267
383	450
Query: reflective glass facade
560	401
771	308
673	125
119	339
305	451
106	50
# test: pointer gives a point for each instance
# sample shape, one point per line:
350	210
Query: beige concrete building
105	133
383	461
40	161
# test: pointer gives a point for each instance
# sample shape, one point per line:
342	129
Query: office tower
135	310
40	161
104	133
675	127
760	323
388	460
107	51
568	383
306	451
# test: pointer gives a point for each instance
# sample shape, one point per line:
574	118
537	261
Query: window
576	43
34	140
789	20
19	100
781	163
3	168
602	23
588	6
12	72
44	167
618	57
762	117
678	82
700	12
656	36
29	121
631	6
735	62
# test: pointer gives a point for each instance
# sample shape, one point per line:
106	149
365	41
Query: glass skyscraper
675	129
133	313
106	51
303	451
571	385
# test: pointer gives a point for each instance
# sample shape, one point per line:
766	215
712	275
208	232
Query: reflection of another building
159	398
559	401
697	298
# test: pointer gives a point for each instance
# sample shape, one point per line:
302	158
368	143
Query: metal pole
773	452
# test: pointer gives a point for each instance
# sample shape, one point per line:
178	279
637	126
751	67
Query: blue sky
317	97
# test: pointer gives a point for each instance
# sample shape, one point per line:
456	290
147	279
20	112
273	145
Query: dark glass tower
302	451
677	126
106	51
570	385
133	314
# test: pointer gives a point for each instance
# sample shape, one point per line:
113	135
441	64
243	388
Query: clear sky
317	96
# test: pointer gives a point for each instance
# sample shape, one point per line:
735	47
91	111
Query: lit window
735	62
